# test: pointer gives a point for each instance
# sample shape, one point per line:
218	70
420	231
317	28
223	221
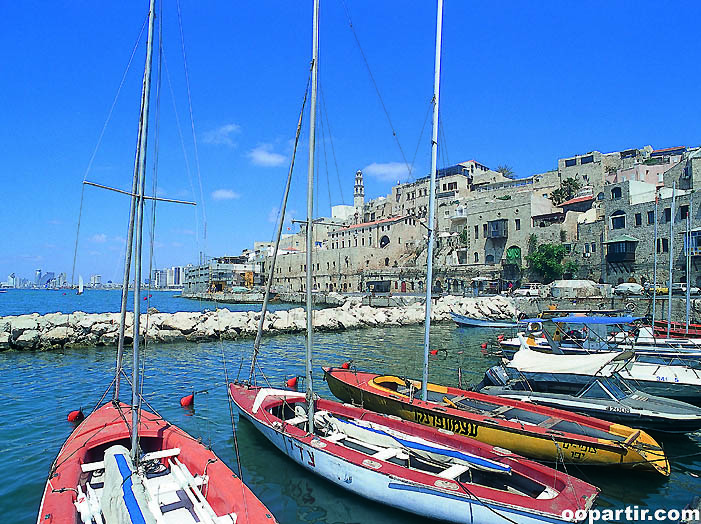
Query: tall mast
432	196
654	278
687	241
671	261
141	155
310	213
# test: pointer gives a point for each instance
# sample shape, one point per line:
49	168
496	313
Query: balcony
621	249
497	229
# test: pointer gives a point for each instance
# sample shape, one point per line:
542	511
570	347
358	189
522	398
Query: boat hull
463	321
651	420
380	482
107	426
521	438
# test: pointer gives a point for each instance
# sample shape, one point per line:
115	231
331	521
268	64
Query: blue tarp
595	320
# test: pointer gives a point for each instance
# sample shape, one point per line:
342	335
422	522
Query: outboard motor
494	376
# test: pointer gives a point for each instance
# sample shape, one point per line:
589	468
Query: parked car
628	288
679	288
531	289
662	289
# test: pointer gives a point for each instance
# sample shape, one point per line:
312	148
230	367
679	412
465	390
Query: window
638	219
484	230
618	220
667	214
518	224
650	217
570	162
477	232
586	248
663	245
587	159
489	259
616	193
477	257
684	210
593	247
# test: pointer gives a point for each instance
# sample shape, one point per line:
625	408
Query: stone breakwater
58	330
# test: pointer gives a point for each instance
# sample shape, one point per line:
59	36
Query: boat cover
420	444
526	360
575	319
124	496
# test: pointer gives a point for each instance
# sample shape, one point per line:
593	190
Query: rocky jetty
57	330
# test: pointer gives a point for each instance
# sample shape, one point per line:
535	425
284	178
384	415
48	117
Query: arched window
616	193
387	261
618	219
477	257
489	259
384	241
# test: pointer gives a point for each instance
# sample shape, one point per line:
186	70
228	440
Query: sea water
40	388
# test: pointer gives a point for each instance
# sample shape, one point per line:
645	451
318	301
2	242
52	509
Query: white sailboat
80	285
402	464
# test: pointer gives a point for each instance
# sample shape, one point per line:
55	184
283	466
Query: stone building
616	240
218	274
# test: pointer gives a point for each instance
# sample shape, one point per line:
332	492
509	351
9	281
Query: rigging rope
377	89
333	149
99	141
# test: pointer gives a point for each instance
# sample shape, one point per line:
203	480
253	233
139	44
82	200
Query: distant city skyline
522	85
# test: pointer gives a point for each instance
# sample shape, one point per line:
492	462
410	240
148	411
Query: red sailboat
125	464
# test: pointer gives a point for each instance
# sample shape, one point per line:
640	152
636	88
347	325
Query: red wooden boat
534	431
429	472
677	330
178	480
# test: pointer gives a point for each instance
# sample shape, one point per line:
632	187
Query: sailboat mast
654	265
432	197
687	242
671	261
138	226
310	213
130	229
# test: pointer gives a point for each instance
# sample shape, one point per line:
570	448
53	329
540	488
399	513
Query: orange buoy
187	400
434	352
484	345
75	416
292	383
346	365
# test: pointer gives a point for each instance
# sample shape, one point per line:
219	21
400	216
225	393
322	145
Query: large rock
183	321
58	335
28	339
22	324
5	341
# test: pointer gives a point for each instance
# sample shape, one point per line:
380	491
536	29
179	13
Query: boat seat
549	422
297	420
453	471
336	437
500	410
155	455
387	453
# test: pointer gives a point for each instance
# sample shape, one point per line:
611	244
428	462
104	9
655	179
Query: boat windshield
606	389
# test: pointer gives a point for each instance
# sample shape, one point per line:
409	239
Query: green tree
567	190
570	268
463	237
546	261
505	170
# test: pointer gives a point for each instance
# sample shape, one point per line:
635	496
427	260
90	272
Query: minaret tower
359	193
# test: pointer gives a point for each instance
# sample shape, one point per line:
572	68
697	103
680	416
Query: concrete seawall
58	330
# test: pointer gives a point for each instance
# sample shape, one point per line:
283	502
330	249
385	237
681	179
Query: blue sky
522	84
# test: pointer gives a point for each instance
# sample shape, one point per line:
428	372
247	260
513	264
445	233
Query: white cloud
222	135
224	194
99	238
387	172
263	155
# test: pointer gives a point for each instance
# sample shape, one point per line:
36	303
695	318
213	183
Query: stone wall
58	330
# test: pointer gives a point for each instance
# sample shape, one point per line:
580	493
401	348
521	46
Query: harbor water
40	388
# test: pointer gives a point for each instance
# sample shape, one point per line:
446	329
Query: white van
531	289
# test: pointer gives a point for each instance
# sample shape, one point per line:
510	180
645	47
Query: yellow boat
539	432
